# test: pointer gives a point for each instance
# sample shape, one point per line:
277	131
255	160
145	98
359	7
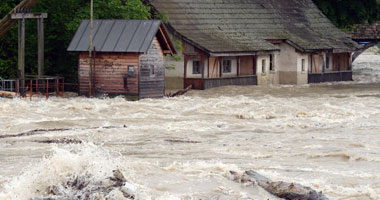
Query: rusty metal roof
116	35
246	25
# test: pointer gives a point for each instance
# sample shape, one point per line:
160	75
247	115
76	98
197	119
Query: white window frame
225	61
200	67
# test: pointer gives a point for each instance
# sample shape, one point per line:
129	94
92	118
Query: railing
34	86
207	83
9	85
330	77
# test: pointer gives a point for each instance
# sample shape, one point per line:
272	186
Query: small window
271	66
131	70
263	66
327	61
226	66
303	65
196	67
151	70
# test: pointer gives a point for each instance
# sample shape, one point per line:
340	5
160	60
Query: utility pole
90	49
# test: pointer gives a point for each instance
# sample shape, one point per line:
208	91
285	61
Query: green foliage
346	13
64	17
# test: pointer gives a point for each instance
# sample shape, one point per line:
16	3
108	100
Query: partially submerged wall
109	72
152	72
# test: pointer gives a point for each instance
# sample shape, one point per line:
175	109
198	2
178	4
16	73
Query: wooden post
208	66
203	67
31	88
253	65
21	50
41	48
90	49
93	71
238	66
57	86
220	60
63	87
47	88
185	65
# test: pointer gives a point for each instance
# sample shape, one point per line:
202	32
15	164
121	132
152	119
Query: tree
346	13
64	17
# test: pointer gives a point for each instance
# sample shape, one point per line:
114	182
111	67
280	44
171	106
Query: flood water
325	136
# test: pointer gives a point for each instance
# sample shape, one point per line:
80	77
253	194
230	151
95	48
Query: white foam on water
57	169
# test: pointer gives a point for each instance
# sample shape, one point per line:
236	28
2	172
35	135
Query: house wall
174	69
286	64
190	69
289	65
247	65
233	72
265	77
152	85
341	61
108	73
302	76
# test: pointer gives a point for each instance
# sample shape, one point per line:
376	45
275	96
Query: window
151	70
327	61
196	67
303	65
263	66
226	66
271	66
131	70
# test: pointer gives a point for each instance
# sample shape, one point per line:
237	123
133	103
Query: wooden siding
330	77
108	73
213	67
341	61
247	65
152	85
207	83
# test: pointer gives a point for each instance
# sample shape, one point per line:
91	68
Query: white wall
267	77
189	72
233	72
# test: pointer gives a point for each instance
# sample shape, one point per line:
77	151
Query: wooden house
240	42
128	58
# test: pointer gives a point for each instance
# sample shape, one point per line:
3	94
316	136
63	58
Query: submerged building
240	42
129	58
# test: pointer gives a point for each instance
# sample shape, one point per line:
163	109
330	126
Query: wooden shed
129	57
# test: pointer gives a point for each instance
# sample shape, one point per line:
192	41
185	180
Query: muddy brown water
325	136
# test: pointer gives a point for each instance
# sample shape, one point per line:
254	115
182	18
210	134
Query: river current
325	136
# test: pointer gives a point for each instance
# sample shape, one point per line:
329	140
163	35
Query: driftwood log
6	94
289	191
181	92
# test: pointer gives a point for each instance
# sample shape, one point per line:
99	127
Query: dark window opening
227	66
196	67
327	61
131	70
271	66
263	66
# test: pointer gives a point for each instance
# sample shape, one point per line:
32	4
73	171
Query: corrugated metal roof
245	25
116	35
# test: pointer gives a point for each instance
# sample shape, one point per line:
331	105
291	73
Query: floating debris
183	141
289	191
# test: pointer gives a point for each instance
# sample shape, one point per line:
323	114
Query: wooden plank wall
152	86
213	65
247	65
109	71
341	61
